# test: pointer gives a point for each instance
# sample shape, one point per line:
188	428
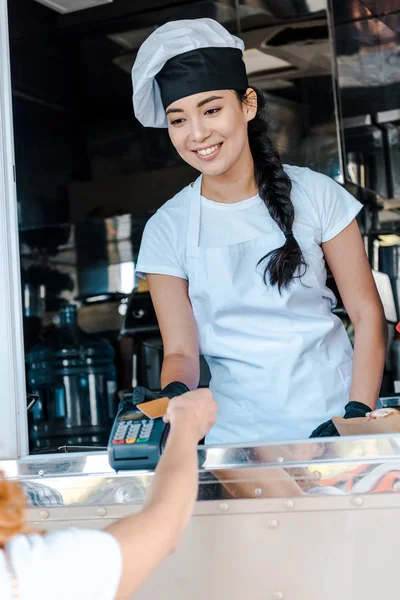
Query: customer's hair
12	507
274	186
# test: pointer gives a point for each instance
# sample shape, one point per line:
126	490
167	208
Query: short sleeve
159	250
82	564
335	206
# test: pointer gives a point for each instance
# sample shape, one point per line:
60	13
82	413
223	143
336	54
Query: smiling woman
236	262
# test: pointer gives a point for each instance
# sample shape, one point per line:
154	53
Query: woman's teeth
208	150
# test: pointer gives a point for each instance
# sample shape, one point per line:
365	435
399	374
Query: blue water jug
74	375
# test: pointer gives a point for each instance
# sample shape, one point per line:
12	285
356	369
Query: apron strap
193	231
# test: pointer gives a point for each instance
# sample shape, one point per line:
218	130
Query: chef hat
183	58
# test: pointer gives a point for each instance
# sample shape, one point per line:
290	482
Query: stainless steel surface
357	121
392	137
99	254
33	398
389	401
338	466
368	73
382	281
388	116
66	6
120	235
280	9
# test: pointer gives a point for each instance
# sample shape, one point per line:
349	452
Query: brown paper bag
362	426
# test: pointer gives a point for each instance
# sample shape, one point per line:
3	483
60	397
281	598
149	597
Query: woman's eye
212	111
177	121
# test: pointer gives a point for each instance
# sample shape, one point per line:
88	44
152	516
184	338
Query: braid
274	186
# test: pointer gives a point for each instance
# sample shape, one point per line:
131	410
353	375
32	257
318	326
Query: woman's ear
250	104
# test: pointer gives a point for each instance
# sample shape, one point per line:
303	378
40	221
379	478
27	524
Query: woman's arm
178	330
258	483
269	482
345	255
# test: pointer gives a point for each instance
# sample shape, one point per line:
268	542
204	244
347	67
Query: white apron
280	363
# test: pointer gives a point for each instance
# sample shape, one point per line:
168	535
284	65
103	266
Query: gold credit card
154	408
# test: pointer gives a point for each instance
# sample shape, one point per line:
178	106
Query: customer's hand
194	411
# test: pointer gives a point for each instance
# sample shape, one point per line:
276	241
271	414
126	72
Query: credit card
154	408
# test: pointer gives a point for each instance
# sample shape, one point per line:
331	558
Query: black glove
352	410
142	394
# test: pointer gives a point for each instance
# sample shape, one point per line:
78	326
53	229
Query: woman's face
209	130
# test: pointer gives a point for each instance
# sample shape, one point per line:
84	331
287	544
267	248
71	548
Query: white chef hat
183	58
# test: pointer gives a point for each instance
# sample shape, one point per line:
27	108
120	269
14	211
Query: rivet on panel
357	501
273	524
280	459
101	512
289	504
44	514
277	596
258	492
224	506
41	473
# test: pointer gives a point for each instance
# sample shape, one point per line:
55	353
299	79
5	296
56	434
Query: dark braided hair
274	186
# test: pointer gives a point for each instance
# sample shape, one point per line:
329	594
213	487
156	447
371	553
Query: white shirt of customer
72	564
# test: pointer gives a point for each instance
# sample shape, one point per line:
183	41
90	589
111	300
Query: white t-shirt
318	200
70	564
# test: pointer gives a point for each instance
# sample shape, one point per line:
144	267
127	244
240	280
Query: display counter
341	466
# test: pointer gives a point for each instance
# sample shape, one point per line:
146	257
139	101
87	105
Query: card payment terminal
136	442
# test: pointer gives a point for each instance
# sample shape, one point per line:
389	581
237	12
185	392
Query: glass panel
334	467
89	176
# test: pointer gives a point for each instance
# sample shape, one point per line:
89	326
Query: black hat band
201	70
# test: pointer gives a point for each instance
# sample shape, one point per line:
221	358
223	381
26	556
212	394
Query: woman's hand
142	394
353	410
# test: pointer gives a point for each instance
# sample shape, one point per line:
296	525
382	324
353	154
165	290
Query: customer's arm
149	536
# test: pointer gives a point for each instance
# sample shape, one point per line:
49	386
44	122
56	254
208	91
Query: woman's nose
199	133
